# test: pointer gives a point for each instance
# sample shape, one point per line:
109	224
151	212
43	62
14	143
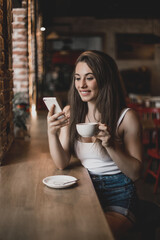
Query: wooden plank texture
29	210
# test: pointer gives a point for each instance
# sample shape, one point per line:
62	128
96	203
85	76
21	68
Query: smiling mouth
84	93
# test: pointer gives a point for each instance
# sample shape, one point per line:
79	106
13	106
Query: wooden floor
38	140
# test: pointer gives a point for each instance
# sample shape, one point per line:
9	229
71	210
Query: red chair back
147	117
156	134
148	113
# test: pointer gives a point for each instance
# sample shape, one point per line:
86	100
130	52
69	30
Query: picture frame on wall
136	46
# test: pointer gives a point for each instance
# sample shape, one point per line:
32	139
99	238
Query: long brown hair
110	100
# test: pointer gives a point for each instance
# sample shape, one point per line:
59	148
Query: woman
114	156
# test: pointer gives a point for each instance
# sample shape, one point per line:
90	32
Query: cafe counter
29	210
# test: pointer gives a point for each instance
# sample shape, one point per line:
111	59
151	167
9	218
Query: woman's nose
83	83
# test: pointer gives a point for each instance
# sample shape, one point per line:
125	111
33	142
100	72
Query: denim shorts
116	193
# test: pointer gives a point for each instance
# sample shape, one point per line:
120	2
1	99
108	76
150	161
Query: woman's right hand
55	124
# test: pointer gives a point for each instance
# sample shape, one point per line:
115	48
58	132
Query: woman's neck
92	115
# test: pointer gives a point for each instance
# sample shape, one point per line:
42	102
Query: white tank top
96	160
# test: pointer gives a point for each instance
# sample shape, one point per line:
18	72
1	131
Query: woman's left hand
104	135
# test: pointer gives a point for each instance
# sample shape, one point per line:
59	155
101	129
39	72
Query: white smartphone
49	101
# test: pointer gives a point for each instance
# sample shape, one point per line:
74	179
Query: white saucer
59	181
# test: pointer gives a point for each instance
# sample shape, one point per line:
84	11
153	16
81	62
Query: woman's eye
76	79
90	78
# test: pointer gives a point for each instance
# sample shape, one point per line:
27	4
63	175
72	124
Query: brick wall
31	51
27	50
6	78
20	50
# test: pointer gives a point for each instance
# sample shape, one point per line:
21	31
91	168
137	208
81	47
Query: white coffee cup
87	129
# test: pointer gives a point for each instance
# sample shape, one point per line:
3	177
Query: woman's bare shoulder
132	119
131	113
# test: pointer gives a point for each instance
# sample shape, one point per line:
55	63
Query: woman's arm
58	137
128	154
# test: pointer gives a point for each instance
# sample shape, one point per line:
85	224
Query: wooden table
29	210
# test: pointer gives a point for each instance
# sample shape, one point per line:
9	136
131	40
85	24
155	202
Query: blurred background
40	41
128	31
58	31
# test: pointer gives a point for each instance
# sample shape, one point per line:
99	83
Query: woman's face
85	83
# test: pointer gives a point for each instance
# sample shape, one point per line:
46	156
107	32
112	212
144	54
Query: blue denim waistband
115	180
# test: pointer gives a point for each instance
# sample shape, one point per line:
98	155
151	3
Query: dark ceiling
101	9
